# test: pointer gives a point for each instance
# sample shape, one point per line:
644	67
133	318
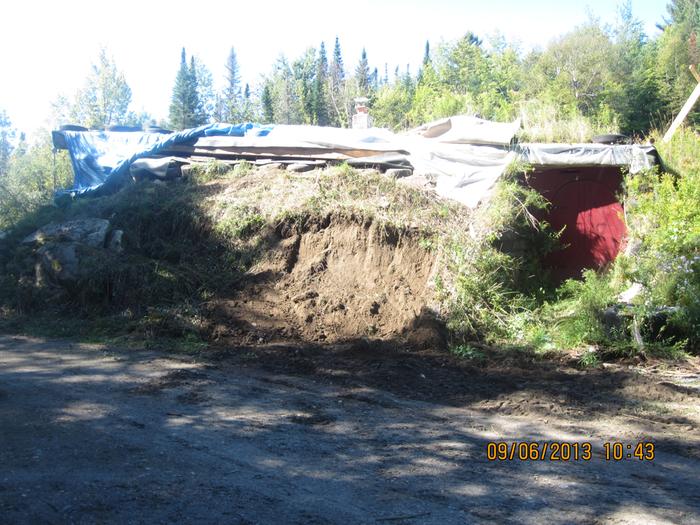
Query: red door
584	203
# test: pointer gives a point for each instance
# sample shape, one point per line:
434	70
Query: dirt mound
335	279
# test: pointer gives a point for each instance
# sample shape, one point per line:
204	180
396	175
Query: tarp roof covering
465	155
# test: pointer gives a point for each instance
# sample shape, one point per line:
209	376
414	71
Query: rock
68	263
300	167
58	262
115	242
398	173
614	320
91	232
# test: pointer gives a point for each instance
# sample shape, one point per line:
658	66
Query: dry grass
544	122
272	194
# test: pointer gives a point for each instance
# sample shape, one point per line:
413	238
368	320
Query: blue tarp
101	159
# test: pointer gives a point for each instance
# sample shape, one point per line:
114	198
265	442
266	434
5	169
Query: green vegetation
186	108
468	352
197	244
494	295
31	178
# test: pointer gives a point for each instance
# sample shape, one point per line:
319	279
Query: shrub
663	213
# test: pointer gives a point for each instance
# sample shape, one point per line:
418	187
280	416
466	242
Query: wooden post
695	73
686	107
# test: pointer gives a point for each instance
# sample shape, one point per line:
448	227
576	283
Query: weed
240	223
242	169
589	358
202	173
468	352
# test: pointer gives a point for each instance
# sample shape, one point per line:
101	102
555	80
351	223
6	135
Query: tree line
604	77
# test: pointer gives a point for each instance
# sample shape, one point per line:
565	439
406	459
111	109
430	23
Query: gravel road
100	435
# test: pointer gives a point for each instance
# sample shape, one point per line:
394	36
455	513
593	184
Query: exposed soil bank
334	279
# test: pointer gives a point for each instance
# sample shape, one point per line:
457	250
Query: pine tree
247	114
198	111
320	95
232	91
426	61
337	68
205	91
185	110
339	103
362	74
267	105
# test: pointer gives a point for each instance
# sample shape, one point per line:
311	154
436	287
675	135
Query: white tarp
635	157
451	150
294	137
465	155
465	129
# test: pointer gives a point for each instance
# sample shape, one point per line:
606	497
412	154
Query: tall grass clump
545	121
491	275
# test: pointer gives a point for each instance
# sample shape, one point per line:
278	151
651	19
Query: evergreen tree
337	89
232	92
362	74
426	60
374	81
248	111
285	97
677	49
200	116
185	110
320	94
205	91
465	65
635	93
337	68
304	73
268	111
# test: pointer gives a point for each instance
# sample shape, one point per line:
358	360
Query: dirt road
94	435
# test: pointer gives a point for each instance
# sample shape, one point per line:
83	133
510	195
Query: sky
47	47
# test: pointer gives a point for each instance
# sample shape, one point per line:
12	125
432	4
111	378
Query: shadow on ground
92	435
